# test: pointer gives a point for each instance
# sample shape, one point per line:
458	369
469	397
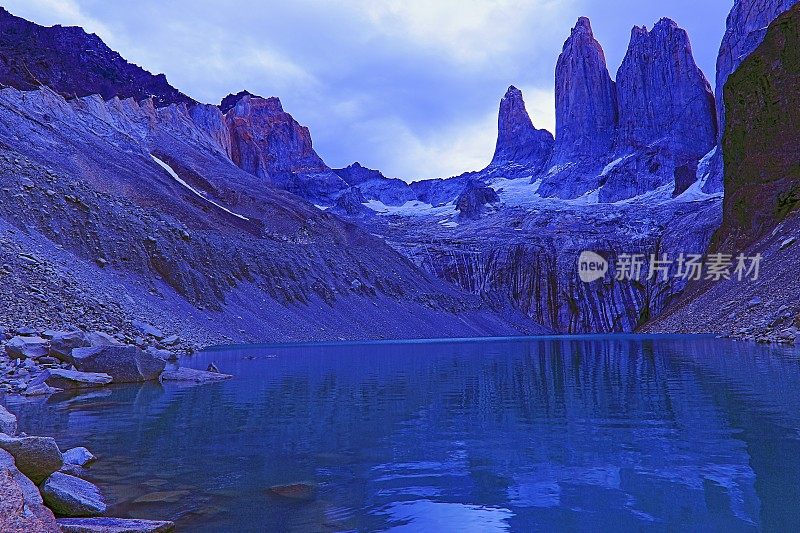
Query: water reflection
603	432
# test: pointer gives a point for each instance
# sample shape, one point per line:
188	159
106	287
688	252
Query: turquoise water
591	433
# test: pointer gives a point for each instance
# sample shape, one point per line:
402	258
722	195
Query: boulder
32	347
98	338
72	496
147	329
73	470
36	457
171	340
472	201
125	364
63	342
73	379
21	507
113	525
78	456
166	355
190	375
8	422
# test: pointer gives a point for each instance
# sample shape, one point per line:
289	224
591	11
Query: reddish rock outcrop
269	143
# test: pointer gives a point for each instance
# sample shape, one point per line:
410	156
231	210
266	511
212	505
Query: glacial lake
581	433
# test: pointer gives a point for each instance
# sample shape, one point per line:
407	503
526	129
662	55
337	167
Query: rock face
518	141
125	364
113	525
72	496
36	457
21	507
475	197
745	29
662	94
762	193
667	118
586	100
760	145
267	142
72	62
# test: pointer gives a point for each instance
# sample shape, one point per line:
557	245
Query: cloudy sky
410	87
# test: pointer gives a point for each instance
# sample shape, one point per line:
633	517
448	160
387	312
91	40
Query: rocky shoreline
42	488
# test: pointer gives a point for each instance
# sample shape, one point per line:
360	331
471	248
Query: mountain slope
114	209
761	148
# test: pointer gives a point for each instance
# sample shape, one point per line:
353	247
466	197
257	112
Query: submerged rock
170	496
21	507
193	376
125	364
36	457
295	491
73	379
114	525
72	496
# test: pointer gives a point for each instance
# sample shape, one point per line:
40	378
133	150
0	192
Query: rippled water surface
493	435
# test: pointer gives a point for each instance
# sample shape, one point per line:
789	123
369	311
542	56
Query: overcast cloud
410	87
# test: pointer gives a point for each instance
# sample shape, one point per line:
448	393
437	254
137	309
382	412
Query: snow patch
412	208
609	167
177	178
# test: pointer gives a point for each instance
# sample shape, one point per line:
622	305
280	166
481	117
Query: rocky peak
518	140
586	109
74	63
267	140
662	95
356	174
269	143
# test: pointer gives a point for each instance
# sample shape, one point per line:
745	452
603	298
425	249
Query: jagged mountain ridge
74	63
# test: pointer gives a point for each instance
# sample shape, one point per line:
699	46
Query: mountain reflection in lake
596	432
